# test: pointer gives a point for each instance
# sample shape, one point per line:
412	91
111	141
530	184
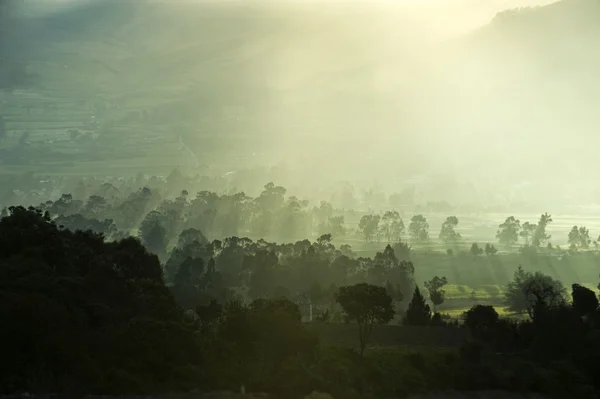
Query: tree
490	249
540	237
397	228
367	305
418	312
95	205
448	233
579	238
527	232
508	232
480	319
532	292
189	237
335	226
154	236
323	212
436	293
369	226
402	250
209	314
419	228
392	226
584	299
267	332
77	222
394	292
475	249
186	288
102	308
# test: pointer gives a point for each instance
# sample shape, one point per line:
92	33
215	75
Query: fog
471	105
300	199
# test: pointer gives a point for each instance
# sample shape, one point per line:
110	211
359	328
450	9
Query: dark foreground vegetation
82	315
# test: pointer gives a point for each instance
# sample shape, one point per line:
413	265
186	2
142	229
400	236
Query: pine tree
419	312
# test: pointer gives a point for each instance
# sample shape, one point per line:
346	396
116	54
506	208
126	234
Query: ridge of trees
90	316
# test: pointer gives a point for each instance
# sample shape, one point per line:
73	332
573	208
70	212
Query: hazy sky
370	85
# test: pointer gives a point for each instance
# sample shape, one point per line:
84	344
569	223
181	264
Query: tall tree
369	226
392	226
490	249
527	232
540	237
475	249
448	234
480	319
533	291
584	299
436	292
418	312
419	228
335	226
508	232
579	238
154	236
367	305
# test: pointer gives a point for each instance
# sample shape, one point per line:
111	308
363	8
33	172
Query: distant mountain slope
527	83
521	92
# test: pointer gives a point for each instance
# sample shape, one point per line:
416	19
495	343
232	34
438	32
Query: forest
299	200
128	289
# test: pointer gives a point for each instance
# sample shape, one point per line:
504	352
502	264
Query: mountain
528	80
513	99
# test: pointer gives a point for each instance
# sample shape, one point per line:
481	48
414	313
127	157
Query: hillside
298	81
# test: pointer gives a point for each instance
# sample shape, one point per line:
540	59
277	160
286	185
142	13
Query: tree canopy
367	305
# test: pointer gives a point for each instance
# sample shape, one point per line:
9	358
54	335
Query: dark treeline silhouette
85	315
167	218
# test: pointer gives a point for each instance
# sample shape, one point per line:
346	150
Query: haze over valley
471	102
299	199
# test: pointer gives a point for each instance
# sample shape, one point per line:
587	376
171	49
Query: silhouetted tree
436	291
367	305
418	312
209	314
508	232
584	299
335	226
475	249
527	231
369	226
85	314
392	226
490	249
540	237
154	236
394	291
402	250
419	228
579	238
480	319
190	236
448	234
533	291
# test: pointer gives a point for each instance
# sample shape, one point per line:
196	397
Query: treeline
184	225
82	315
158	212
